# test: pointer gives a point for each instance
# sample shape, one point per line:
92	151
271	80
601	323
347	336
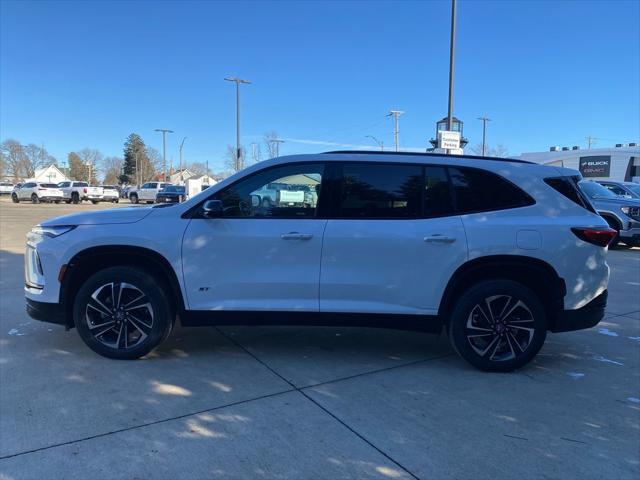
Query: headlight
633	212
51	231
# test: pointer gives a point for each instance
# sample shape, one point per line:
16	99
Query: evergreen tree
134	148
77	170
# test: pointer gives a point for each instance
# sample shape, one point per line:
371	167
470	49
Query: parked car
146	193
623	189
6	188
496	251
622	214
274	193
73	191
110	193
171	194
37	192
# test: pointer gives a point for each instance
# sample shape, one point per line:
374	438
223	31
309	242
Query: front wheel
498	325
35	198
133	198
95	202
14	198
122	312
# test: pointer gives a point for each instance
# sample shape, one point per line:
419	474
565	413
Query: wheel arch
534	273
88	261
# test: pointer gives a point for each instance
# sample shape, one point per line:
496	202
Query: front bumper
46	312
581	318
631	235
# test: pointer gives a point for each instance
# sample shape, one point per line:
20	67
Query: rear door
392	240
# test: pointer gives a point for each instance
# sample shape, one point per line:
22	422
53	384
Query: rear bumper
581	318
49	198
46	312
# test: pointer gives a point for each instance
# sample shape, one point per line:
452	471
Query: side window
292	191
480	191
147	185
80	184
437	194
616	189
64	184
380	191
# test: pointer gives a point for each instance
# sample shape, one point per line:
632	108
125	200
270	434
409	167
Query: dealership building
619	163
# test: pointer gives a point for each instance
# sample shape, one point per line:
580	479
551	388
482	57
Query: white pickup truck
146	193
74	192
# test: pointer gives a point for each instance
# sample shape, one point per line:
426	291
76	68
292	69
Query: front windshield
593	189
634	187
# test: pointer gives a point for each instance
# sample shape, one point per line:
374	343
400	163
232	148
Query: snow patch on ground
606	331
16	333
602	359
575	375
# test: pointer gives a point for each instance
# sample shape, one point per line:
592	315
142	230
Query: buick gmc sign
596	166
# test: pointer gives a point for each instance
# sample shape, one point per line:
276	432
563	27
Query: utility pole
237	81
395	114
181	145
452	59
484	132
254	157
277	141
164	152
135	154
379	142
590	140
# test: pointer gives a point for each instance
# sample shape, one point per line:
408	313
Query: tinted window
437	195
593	190
568	186
49	185
64	184
380	191
147	185
80	184
291	191
480	191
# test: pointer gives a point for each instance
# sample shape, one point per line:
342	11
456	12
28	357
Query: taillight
595	236
85	190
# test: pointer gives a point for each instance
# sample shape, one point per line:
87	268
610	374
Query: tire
613	224
95	202
133	198
35	198
75	198
490	341
117	200
148	326
56	202
14	198
67	202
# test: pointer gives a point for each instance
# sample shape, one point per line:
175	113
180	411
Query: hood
101	217
620	201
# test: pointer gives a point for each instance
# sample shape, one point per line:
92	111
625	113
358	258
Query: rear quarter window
477	190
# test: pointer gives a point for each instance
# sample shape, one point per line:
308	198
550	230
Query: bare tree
153	165
198	168
230	159
112	169
497	151
91	159
271	144
14	160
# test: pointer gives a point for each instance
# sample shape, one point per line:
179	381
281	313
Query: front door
263	253
392	243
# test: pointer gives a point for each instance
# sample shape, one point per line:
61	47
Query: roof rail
428	154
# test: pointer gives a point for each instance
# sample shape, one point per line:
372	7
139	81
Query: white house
197	183
50	174
180	176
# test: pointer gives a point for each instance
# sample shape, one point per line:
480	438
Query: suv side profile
623	189
37	192
496	252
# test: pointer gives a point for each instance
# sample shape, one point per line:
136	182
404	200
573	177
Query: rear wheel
75	198
95	202
133	198
14	198
35	198
498	325
122	313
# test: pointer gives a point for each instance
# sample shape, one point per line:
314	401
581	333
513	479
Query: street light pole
164	151
277	141
396	130
181	145
379	142
452	59
237	81
484	132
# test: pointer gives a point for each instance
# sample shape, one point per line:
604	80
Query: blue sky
86	74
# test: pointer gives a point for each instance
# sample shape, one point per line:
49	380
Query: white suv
498	252
37	192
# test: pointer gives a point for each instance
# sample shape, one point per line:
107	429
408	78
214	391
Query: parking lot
311	402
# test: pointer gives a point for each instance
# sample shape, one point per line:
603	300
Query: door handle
296	236
437	238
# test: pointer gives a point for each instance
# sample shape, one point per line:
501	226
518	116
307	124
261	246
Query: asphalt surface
303	403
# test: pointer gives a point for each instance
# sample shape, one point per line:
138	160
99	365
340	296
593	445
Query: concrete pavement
292	402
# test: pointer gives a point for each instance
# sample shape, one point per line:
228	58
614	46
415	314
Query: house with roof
50	174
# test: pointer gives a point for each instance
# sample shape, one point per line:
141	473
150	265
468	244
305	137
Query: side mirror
212	209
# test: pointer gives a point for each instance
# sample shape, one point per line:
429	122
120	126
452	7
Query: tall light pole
164	151
181	145
452	60
395	114
379	142
237	81
484	132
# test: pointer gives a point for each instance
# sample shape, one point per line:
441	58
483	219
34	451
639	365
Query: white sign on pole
448	140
